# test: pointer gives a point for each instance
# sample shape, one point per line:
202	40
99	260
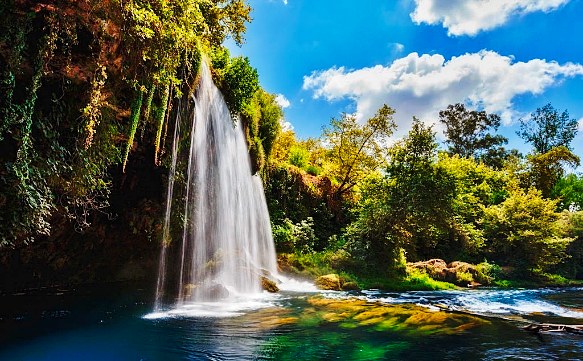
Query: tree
525	231
355	149
468	134
421	193
547	129
282	145
569	191
547	168
476	186
410	207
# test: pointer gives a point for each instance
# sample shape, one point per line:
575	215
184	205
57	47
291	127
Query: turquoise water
116	324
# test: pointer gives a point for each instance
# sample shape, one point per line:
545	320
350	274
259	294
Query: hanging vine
136	108
160	116
92	112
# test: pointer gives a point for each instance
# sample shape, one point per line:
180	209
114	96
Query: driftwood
550	327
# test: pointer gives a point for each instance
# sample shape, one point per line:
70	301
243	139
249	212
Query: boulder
329	282
269	285
350	286
457	272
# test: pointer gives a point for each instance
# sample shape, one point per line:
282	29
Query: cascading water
226	243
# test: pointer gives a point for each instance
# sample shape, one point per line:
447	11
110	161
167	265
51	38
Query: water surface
117	323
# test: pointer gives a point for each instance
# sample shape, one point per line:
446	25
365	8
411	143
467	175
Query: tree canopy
471	133
547	129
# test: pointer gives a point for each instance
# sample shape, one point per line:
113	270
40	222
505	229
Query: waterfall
225	245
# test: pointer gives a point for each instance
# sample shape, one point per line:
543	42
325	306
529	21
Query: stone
329	282
350	286
269	285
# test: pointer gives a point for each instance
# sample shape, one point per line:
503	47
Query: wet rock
217	292
269	285
350	286
329	282
334	282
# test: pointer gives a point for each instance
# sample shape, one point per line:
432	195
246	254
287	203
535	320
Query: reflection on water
372	325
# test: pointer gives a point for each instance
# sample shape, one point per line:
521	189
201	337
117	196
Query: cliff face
122	243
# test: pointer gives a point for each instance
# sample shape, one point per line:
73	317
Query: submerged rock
413	319
269	285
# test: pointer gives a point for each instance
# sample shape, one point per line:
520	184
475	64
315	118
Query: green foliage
299	237
569	191
416	280
476	186
545	169
261	115
63	102
410	207
160	118
134	119
299	156
291	195
524	231
547	129
313	170
241	81
356	150
468	134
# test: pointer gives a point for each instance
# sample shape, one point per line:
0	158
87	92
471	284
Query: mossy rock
350	286
330	282
269	285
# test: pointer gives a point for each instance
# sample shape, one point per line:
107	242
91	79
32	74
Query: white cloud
285	2
581	125
469	17
285	125
282	101
421	85
397	47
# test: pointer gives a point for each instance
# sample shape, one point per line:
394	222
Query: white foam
486	302
294	285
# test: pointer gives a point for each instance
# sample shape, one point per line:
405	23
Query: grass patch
317	264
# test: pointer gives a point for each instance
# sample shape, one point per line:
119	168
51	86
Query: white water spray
226	243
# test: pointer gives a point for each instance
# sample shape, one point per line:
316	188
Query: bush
313	170
299	156
298	238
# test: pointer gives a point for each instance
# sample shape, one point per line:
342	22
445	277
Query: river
117	323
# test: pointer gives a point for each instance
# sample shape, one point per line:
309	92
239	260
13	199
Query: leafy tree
545	170
468	134
241	83
547	129
356	150
282	145
569	191
408	208
525	231
477	186
422	192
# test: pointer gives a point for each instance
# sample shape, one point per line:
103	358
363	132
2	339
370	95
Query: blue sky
505	56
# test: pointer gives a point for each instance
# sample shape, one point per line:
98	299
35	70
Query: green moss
134	119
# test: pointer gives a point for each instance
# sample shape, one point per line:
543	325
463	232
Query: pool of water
118	323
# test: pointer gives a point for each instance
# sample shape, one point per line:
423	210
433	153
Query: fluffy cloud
421	85
282	101
469	17
581	125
